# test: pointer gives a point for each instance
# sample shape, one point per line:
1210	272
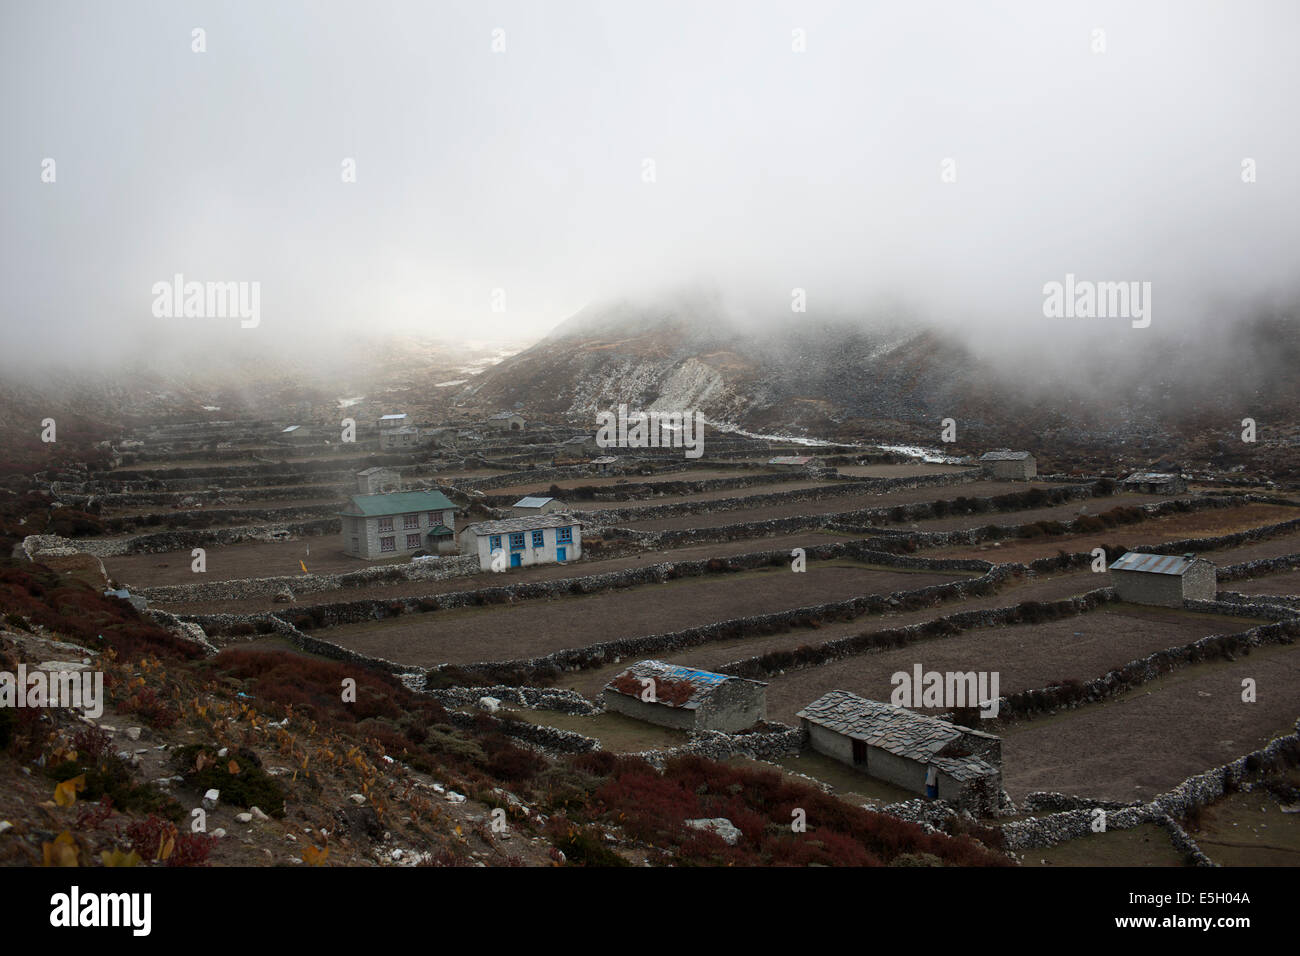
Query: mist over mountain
889	374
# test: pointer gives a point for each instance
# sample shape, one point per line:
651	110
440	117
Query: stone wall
351	612
441	569
818	655
596	655
534	698
716	745
1143	670
855	486
1196	791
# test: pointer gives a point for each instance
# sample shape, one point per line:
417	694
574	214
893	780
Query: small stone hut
1155	483
922	754
1011	465
686	698
1164	579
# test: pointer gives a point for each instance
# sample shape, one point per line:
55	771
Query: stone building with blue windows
520	542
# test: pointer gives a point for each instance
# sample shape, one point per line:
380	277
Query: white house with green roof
376	527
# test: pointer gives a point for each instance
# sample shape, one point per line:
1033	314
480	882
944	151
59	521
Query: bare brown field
1145	845
1150	739
901	471
252	504
773	488
1196	524
1287	582
1063	512
250	559
1250	829
270	559
533	628
714	655
609	481
832	505
1025	656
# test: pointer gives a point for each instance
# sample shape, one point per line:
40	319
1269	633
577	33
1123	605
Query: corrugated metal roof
1003	454
1154	563
790	460
524	523
391	418
531	502
702	682
399	502
1150	476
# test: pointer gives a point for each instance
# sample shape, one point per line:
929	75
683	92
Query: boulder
719	825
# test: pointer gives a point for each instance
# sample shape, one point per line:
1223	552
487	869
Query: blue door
561	554
516	559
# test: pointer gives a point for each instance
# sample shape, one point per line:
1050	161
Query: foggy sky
522	170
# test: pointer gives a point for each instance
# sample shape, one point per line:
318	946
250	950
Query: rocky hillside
851	380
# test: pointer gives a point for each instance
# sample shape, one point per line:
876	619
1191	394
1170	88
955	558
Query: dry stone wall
1196	791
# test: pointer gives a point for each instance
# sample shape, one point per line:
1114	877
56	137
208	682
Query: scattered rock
244	817
719	825
133	733
490	704
357	798
454	797
210	799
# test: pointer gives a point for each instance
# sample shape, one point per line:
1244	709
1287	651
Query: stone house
535	539
403	436
686	698
400	523
378	481
1010	465
1155	483
1164	579
506	421
604	463
924	755
535	506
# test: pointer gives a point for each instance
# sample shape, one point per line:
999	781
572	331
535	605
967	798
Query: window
410	521
516	541
434	519
563	535
388	544
539	539
356	544
412	542
385	524
494	542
